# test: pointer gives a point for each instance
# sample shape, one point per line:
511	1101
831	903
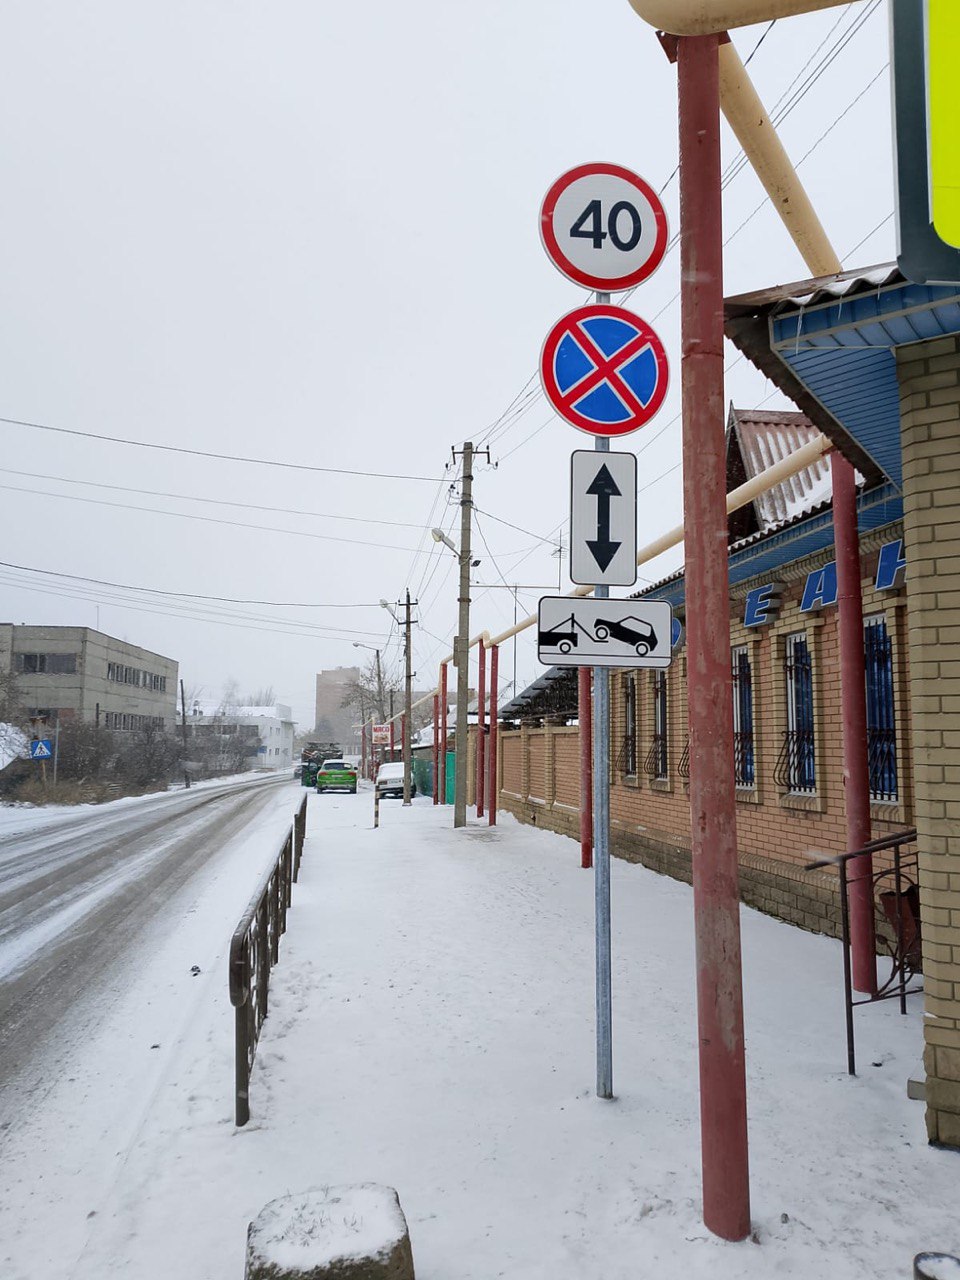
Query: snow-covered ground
431	1028
16	818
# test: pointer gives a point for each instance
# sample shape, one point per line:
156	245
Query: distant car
337	775
390	781
297	770
640	635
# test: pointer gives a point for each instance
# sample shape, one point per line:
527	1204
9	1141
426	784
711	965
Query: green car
337	775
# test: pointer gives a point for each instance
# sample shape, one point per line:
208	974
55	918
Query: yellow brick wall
929	376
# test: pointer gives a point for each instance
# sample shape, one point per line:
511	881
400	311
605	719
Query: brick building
874	362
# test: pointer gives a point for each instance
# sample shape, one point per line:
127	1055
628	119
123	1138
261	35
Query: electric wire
187	515
220	457
186	595
219	502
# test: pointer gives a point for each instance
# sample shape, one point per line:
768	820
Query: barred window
881	716
656	762
629	758
796	766
743	766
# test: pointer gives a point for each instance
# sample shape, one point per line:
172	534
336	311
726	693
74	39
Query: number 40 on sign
603	227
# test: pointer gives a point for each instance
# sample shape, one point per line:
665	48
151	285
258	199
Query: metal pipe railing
255	949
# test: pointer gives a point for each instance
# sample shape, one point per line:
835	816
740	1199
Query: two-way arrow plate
603	518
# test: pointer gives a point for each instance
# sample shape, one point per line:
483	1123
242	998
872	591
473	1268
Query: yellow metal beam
704	17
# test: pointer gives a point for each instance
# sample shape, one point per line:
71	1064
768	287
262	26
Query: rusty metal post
716	899
392	733
492	754
443	733
585	717
436	748
853	701
481	723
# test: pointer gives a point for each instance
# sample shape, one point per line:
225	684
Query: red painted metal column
716	898
443	733
853	699
492	789
436	748
585	717
391	740
363	750
481	723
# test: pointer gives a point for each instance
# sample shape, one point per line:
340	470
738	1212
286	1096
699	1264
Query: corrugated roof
830	345
766	438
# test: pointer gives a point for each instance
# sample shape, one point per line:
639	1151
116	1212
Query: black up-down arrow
605	488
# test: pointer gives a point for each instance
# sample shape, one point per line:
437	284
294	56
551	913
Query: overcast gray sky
308	232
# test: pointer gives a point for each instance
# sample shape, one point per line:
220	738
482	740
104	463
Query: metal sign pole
601	848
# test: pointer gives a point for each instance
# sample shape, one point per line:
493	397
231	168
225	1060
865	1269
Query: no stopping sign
603	227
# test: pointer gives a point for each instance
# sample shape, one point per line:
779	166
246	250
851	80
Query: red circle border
563	263
552	391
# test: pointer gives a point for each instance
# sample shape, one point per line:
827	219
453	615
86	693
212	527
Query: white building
266	731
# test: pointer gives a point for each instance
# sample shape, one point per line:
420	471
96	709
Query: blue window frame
881	711
796	767
743	759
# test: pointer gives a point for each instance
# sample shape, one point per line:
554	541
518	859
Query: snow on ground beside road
16	818
431	1028
64	1160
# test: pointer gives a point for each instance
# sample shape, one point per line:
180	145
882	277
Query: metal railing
255	949
897	905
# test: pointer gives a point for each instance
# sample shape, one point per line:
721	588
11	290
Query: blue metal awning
830	344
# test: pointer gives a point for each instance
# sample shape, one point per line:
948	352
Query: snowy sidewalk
431	1028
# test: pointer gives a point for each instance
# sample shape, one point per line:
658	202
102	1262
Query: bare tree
264	697
230	701
370	693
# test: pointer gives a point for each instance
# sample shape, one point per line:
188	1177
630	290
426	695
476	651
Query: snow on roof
768	438
13	744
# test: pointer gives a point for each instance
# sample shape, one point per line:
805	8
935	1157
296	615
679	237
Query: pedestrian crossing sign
40	749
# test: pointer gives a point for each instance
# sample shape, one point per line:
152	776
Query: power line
218	502
188	595
221	457
752	54
186	515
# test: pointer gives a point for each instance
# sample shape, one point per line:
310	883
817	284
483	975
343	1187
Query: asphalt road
77	894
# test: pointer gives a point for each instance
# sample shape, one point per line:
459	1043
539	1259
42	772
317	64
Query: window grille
655	763
683	764
796	765
627	760
881	715
743	760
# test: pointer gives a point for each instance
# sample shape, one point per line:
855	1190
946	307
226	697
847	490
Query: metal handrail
255	949
906	965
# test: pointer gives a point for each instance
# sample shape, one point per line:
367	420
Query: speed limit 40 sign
603	227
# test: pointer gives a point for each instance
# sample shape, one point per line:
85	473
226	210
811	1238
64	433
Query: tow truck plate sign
603	633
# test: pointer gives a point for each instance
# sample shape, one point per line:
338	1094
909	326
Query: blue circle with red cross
604	370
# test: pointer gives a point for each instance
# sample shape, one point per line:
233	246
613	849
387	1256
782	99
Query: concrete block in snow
353	1232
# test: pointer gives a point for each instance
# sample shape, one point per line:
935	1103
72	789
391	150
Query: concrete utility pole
462	658
183	732
408	702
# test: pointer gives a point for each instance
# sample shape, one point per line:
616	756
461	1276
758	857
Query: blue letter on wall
762	603
889	565
820	589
